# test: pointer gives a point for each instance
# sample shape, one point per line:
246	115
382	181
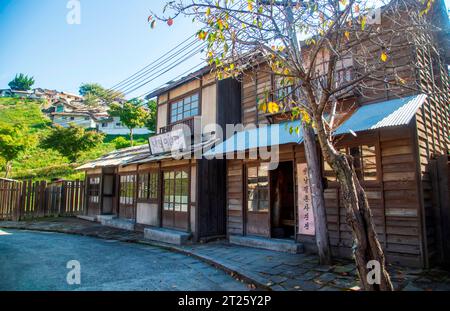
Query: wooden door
127	196
108	193
175	209
258	201
93	184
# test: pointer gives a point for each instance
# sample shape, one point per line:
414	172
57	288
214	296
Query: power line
190	38
165	71
157	70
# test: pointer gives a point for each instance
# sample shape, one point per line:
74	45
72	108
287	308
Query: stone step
279	245
88	218
118	223
167	236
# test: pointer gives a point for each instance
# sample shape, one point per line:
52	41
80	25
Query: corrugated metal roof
395	112
117	157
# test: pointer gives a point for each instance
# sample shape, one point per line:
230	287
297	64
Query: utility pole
311	151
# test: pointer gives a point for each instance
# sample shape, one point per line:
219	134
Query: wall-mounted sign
306	224
171	141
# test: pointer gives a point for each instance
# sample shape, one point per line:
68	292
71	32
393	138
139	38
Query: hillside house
113	126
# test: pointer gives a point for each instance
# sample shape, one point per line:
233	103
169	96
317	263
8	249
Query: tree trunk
318	201
8	167
359	217
366	246
131	137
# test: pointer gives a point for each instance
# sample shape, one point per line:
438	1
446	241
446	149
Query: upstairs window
184	108
364	160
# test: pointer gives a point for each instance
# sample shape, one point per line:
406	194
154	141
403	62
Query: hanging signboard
306	224
171	141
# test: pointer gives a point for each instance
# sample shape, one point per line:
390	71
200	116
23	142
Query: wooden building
146	188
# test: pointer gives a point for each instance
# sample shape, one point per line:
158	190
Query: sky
112	41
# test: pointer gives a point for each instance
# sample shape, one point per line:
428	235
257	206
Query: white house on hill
113	126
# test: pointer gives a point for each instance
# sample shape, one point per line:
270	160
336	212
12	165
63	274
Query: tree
71	141
21	82
242	34
132	114
13	141
121	142
151	123
96	94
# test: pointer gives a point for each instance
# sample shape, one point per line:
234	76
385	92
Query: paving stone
278	279
308	275
345	283
310	286
326	277
411	288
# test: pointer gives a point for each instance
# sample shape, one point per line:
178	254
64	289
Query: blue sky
112	42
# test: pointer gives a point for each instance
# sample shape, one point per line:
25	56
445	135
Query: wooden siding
394	198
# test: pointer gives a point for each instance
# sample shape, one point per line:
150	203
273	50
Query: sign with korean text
305	210
171	141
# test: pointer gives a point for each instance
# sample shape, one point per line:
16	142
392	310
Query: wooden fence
23	200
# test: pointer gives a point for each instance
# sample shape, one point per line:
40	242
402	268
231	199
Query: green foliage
71	141
95	93
21	82
151	122
121	142
131	114
13	141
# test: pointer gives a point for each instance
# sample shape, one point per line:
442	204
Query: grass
44	164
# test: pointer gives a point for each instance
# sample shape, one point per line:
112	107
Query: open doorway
282	201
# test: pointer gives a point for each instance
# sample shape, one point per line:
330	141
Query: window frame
133	191
359	144
93	189
173	184
181	99
152	175
258	166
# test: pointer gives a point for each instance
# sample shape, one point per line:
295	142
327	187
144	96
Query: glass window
148	186
176	191
93	189
127	188
364	160
185	108
258	188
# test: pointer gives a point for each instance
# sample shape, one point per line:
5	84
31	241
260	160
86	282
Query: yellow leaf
232	67
273	107
262	107
208	11
347	35
250	5
383	56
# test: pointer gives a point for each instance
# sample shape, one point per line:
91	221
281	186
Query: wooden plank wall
254	86
31	200
394	199
433	135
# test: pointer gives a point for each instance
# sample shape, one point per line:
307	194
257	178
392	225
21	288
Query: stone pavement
261	268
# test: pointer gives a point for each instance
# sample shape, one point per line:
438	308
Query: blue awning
395	112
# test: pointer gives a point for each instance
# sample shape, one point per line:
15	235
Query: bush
121	142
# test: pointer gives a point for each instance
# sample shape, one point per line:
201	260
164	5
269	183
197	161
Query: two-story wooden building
147	187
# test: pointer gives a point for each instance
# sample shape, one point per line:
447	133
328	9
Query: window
86	118
104	124
176	191
72	118
118	124
364	160
183	109
258	188
94	189
148	186
127	186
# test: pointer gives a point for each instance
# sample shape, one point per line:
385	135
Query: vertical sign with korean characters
305	211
